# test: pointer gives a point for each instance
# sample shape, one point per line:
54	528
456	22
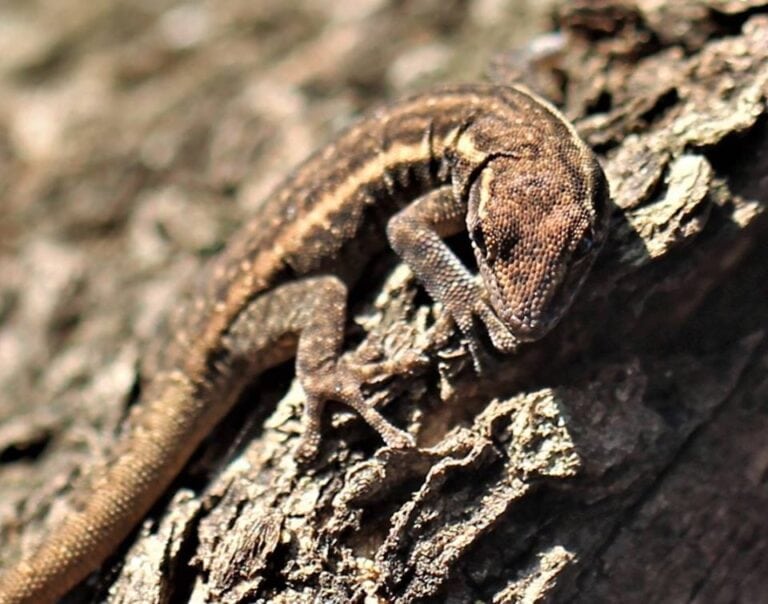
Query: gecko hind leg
314	310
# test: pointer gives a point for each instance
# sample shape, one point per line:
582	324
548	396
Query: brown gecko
497	161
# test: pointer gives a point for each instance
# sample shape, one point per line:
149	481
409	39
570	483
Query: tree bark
622	458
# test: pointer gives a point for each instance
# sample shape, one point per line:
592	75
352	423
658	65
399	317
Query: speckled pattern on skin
496	161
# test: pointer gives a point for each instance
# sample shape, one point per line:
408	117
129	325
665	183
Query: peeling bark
621	458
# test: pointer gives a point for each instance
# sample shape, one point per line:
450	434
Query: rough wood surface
622	458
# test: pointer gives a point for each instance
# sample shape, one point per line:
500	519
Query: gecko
496	161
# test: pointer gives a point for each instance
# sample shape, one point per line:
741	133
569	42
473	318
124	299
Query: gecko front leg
416	233
311	313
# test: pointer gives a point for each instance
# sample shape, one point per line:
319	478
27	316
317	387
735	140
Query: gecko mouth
530	321
525	323
527	328
529	324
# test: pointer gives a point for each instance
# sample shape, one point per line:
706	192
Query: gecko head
535	230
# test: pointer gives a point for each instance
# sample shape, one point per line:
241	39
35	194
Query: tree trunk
622	458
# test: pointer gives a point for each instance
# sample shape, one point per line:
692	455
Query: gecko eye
585	246
478	238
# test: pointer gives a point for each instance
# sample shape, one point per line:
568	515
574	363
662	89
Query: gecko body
495	160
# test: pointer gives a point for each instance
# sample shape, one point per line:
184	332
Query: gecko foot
342	382
483	332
